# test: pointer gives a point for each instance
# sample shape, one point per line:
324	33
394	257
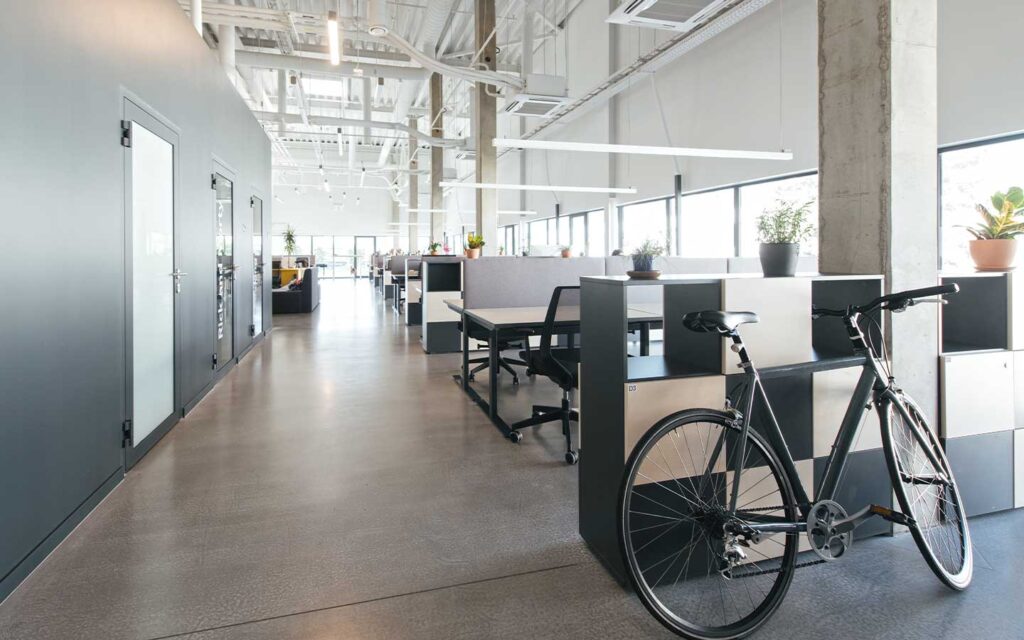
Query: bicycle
712	512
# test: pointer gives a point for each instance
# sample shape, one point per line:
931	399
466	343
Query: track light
333	37
635	149
536	187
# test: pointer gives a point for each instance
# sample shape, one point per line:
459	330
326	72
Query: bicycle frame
873	387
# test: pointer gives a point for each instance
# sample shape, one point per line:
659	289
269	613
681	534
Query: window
970	175
578	234
510	236
756	198
643	221
564	235
538	230
706	224
595	234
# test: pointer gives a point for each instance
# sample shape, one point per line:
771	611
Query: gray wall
66	66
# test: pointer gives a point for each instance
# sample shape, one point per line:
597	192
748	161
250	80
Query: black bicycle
712	512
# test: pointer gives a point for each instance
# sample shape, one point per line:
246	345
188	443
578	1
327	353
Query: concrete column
197	15
414	190
226	46
878	121
367	108
282	99
395	217
437	220
485	128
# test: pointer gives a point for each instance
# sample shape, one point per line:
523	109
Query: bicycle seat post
740	349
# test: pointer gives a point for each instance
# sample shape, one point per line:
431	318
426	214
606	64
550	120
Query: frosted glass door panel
225	310
257	266
152	214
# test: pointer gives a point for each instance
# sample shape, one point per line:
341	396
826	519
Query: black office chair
561	365
504	343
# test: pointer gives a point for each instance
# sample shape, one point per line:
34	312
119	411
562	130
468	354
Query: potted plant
781	230
289	244
474	243
995	237
566	251
434	248
643	261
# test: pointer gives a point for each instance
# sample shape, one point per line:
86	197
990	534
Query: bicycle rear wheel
927	492
690	573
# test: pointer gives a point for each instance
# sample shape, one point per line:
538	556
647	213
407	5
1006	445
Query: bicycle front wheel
927	492
691	573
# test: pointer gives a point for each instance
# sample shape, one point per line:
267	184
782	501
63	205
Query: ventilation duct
673	15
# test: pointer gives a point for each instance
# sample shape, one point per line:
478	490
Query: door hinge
126	133
252	201
252	330
213	180
126	433
215	361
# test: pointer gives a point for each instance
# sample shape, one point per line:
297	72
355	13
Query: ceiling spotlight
297	192
327	186
321	170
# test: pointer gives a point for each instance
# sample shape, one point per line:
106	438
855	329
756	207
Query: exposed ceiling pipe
321	66
327	121
406	94
435	65
226	47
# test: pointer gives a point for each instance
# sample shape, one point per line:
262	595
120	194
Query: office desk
509	319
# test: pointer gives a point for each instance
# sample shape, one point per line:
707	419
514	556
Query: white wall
311	213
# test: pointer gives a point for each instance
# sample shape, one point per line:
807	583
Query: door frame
134	110
219	167
355	250
258	195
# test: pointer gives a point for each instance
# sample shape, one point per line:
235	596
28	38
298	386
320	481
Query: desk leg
645	339
492	363
465	352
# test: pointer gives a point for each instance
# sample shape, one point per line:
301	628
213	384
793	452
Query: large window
756	198
578	234
707	223
543	233
643	221
970	175
510	234
596	234
564	234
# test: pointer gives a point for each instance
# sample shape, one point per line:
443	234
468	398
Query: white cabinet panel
977	393
1018	386
1018	468
783	336
832	391
649	402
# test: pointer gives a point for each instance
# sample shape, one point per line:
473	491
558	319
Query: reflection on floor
338	484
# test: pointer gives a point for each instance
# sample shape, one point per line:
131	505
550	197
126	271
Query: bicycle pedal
892	516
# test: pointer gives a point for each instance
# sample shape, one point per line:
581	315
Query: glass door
365	246
323	256
344	257
151	281
224	242
257	266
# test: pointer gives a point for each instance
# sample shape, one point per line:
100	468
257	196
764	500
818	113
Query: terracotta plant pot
566	254
433	253
993	255
473	254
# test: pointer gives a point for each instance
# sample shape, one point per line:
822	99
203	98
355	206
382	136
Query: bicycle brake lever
933	301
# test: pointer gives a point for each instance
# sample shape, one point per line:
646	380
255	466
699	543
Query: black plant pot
779	260
643	263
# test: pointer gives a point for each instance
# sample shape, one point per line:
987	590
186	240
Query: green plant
434	247
564	247
1004	224
649	249
474	241
787	223
289	240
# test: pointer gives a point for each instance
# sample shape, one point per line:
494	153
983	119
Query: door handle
177	275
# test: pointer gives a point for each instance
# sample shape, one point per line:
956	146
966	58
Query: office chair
561	365
504	343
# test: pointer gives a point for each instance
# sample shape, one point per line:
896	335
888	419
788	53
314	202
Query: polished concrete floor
338	484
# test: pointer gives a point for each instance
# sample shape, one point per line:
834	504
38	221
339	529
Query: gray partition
440	280
805	264
396	265
669	265
522	282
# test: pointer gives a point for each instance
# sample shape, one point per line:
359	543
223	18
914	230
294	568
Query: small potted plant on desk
566	251
474	243
434	248
643	261
995	238
781	230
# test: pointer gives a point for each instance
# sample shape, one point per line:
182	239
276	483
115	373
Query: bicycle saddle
718	321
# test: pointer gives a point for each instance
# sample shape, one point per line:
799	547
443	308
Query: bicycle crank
827	539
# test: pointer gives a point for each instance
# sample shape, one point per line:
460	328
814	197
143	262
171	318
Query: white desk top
534	316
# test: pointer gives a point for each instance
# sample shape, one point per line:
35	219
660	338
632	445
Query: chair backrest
563	299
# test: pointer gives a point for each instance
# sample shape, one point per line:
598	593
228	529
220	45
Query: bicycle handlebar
895	302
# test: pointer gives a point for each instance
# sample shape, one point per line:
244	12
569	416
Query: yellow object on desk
287	275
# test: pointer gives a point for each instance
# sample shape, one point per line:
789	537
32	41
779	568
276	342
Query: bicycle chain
799	565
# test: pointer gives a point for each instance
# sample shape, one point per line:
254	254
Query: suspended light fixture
362	178
635	149
341	143
333	37
536	187
327	186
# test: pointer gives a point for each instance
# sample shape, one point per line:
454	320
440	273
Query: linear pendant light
536	187
558	145
500	211
333	39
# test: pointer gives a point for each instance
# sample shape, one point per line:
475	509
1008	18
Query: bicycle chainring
825	541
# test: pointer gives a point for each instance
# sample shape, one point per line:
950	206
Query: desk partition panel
498	282
440	280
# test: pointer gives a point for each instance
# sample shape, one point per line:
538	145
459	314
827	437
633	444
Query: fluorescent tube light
557	145
333	39
327	186
536	187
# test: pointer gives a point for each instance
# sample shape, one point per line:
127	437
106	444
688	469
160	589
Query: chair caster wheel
515	381
571	457
515	437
